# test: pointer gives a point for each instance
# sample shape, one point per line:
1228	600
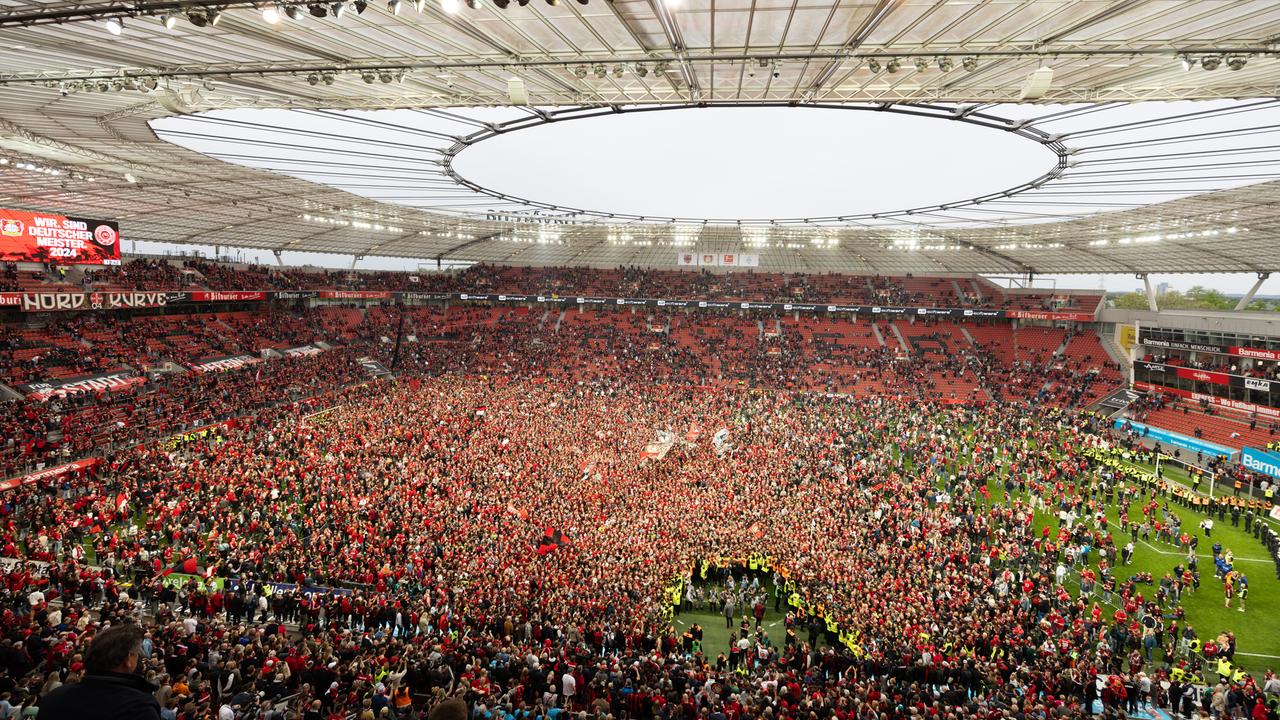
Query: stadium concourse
355	494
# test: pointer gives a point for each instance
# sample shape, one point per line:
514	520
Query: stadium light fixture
291	12
580	72
600	72
641	70
198	19
271	15
313	79
215	17
1187	63
393	7
360	6
502	4
553	3
945	64
892	65
1236	62
318	10
1210	62
473	4
115	26
129	178
969	64
873	65
618	70
327	78
453	7
921	64
169	21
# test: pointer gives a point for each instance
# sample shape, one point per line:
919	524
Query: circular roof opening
751	163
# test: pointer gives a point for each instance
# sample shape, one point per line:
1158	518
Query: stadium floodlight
1236	62
473	4
360	6
368	77
921	64
313	79
945	64
271	15
291	12
338	9
553	3
198	19
641	70
969	64
327	78
1187	62
600	72
1210	62
148	84
385	76
115	26
452	7
580	72
892	65
393	7
873	65
215	16
419	5
169	21
618	70
318	10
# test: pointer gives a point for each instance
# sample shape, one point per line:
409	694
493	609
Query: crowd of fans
712	349
492	526
406	529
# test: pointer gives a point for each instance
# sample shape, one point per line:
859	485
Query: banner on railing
226	362
48	473
110	382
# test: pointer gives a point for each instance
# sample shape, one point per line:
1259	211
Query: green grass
1257	629
715	638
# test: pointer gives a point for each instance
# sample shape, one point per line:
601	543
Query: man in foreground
111	689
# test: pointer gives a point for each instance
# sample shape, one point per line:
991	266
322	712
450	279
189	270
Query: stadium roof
78	100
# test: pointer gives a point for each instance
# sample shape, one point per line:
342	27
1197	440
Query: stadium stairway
977	290
961	294
1117	356
879	338
902	342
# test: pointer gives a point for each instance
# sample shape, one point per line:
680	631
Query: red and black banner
551	540
59	239
107	382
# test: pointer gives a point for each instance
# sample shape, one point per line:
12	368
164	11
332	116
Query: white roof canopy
78	99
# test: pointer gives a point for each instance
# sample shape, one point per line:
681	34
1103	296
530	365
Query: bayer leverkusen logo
11	227
105	235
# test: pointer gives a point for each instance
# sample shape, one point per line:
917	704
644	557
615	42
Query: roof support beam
1248	297
1151	294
